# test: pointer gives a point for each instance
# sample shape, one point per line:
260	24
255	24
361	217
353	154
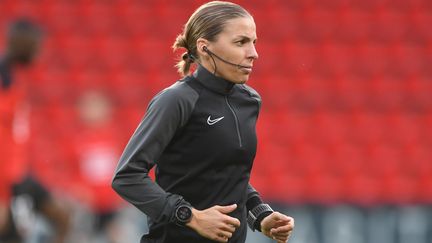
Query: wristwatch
183	214
257	214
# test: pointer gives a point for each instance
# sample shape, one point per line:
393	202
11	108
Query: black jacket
200	132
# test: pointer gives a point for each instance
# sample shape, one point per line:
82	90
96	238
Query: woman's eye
240	42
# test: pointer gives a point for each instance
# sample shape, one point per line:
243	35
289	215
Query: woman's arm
168	111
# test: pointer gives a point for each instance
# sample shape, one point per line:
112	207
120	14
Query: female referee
200	134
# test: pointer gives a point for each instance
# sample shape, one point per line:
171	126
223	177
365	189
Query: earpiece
205	48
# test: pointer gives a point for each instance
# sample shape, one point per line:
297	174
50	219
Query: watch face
184	213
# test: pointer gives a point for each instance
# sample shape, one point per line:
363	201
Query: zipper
236	121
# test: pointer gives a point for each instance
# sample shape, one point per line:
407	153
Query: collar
213	82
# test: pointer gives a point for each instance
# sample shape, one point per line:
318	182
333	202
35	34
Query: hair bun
187	57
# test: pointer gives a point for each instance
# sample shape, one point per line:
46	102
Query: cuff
252	202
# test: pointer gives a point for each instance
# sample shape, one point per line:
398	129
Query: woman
200	134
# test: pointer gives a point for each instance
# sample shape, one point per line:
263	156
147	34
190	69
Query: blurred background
345	130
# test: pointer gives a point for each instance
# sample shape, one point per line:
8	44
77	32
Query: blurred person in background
200	135
96	148
17	186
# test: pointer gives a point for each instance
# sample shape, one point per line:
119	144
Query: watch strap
257	214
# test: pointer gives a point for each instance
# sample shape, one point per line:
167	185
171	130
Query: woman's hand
277	226
214	223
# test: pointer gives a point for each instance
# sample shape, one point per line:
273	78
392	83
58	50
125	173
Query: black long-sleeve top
200	134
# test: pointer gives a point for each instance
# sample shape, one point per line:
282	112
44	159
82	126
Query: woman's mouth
246	69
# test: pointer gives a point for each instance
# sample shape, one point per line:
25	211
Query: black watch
257	214
183	214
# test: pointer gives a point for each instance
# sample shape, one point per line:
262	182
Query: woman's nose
253	52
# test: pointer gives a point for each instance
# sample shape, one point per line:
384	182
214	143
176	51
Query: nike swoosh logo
214	121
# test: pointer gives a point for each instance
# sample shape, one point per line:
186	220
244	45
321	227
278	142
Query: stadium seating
346	87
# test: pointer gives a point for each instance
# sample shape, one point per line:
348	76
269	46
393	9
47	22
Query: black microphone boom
223	60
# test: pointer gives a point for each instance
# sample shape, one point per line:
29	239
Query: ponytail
184	64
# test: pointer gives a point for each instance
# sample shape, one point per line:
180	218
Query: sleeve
253	198
256	207
168	111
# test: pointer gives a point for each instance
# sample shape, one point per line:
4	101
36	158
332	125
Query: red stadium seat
425	189
419	19
362	189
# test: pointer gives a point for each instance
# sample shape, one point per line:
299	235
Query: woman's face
235	44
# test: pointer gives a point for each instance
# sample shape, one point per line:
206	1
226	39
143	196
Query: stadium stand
346	87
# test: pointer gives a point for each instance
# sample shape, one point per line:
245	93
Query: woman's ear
202	44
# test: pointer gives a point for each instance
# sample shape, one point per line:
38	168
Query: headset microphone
223	60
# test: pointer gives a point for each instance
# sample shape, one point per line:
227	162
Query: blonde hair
206	22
